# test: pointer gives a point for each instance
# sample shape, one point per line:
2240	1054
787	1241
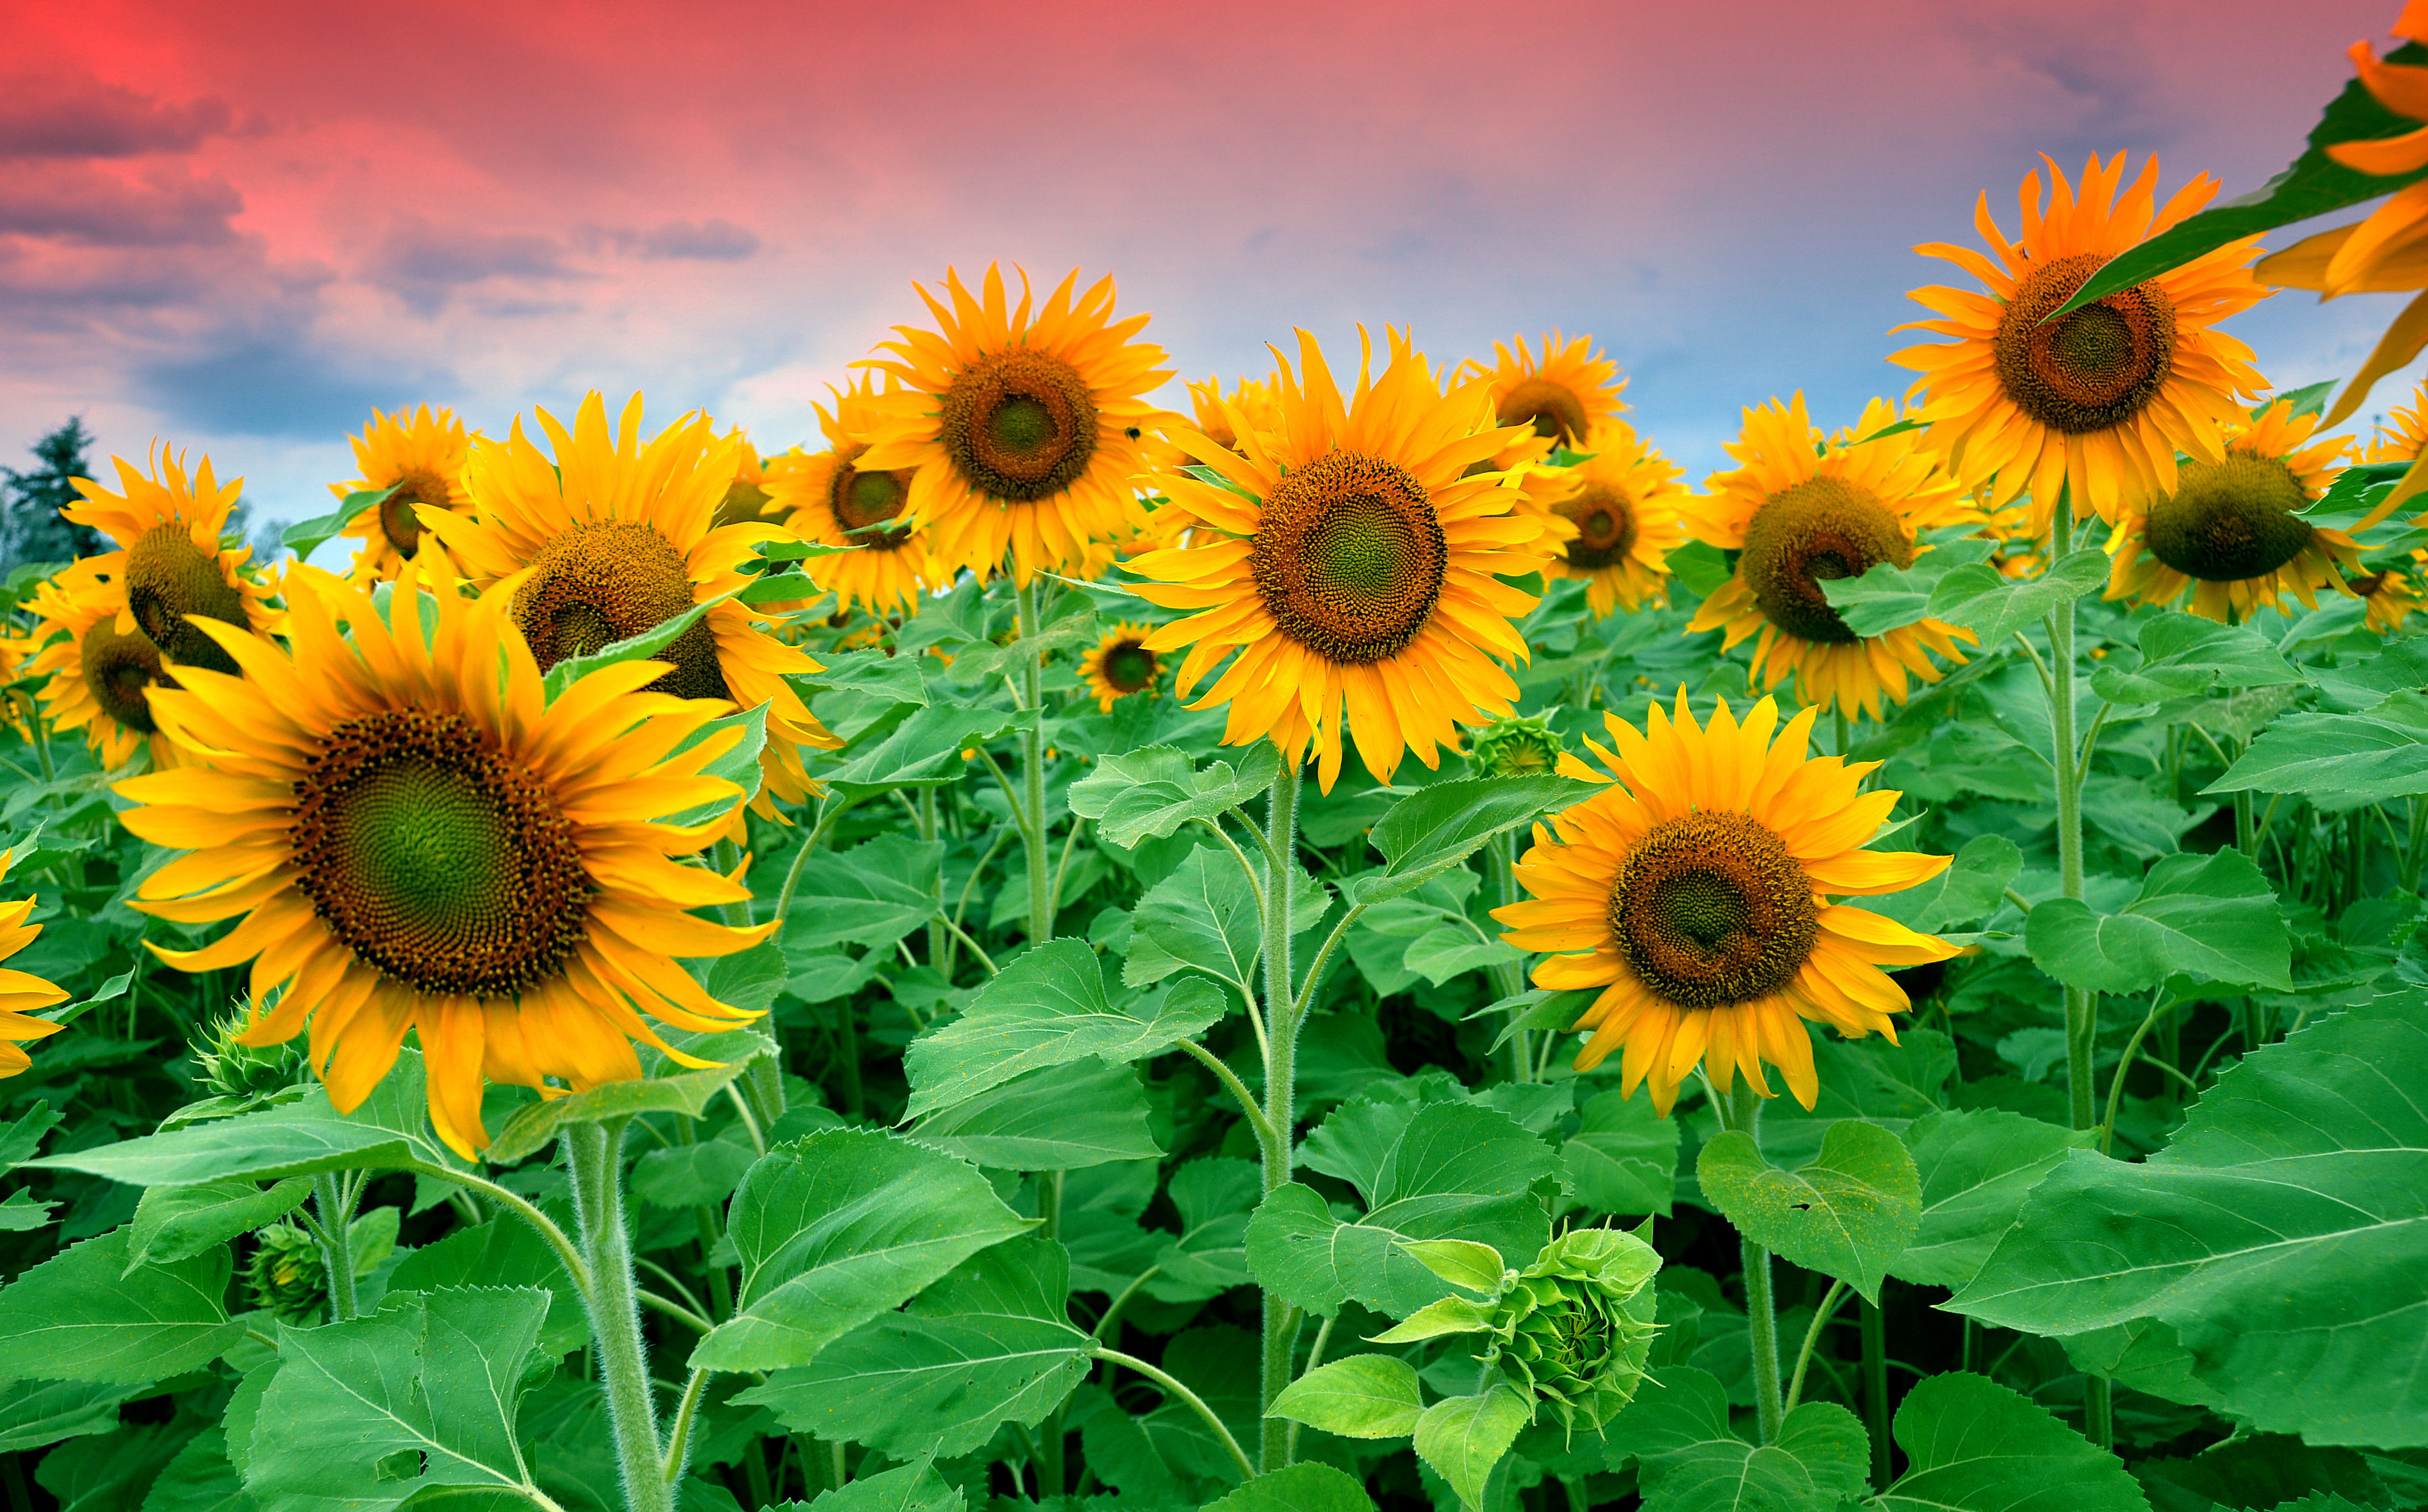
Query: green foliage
1972	1445
1848	1214
1689	1457
2210	918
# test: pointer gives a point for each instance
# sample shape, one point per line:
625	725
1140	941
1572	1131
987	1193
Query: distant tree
30	527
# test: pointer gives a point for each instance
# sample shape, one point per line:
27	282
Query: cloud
275	377
167	205
714	240
423	263
75	115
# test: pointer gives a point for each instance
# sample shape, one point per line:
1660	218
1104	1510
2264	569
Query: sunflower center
170	582
2096	368
401	526
1553	409
863	500
599	584
117	668
2233	520
1606	520
1712	909
1020	425
1349	557
436	858
1128	667
1816	532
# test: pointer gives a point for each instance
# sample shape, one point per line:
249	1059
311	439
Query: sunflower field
1367	945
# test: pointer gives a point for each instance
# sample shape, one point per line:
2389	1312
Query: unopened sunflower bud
234	1070
1574	1328
286	1275
1516	747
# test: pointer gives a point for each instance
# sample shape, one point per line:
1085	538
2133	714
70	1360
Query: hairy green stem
1281	1319
336	1210
1743	1111
1041	901
936	944
1821	1316
1508	976
832	810
593	1153
576	1264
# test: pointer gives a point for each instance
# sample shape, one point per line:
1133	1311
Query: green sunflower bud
286	1275
1517	747
234	1070
1574	1328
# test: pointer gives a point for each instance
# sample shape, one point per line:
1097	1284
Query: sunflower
1352	565
417	841
613	539
1561	396
2098	402
98	673
828	499
2390	595
174	572
2232	530
422	456
1696	888
1018	431
1803	512
1120	666
21	992
2408	437
1622	503
745	499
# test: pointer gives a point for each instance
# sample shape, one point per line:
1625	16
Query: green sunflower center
403	527
170	582
866	502
436	858
1349	557
1712	909
2225	522
1020	425
117	668
1128	667
1606	520
1816	532
2096	368
1553	409
599	584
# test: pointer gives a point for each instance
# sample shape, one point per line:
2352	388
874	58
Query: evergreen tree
30	527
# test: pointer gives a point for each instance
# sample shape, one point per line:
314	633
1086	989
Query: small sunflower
1623	503
98	673
2098	402
1695	892
1803	512
173	568
418	842
612	537
2390	595
745	498
1120	666
1020	431
2408	437
1351	564
2232	530
1251	401
21	992
422	456
1563	396
828	499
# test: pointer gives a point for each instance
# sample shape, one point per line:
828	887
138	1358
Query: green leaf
83	1316
1977	1166
1304	1487
21	1138
1365	1396
34	1413
924	750
1889	597
687	1093
1453	950
1972	1445
1462	1437
1993	606
177	1222
2264	1470
1689	1460
1461	1262
1154	791
639	648
1436	828
1848	1214
1202	917
1215	1198
2186	656
22	1212
738	764
985	660
2280	1237
2212	918
1702	570
1049	1007
2340	760
874	893
833	1229
693	1176
1051	1119
914	1487
895	677
1623	1158
305	537
199	1479
504	1251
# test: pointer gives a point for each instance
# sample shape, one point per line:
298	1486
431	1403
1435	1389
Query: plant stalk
336	1210
1744	1111
1509	977
1281	1319
1876	1387
593	1152
1038	835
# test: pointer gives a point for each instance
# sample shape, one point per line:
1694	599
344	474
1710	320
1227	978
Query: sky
237	227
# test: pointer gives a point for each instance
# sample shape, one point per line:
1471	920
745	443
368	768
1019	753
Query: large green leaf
1056	1118
1972	1445
1848	1214
1049	1007
1215	1198
638	647
200	1479
914	1487
1462	1437
1623	1158
2260	1470
738	764
1993	606
1365	1396
83	1315
1154	791
34	1413
2212	918
873	894
175	1223
924	750
2281	1236
1689	1460
1438	827
2184	656
1976	1167
1889	597
838	1227
1202	917
1972	887
2339	759
874	670
1301	1487
504	1251
529	1128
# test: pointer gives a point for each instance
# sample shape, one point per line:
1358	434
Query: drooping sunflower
21	992
98	673
828	499
1623	501
1563	395
422	456
417	841
1695	892
1020	431
2100	401
170	561
1121	665
613	539
2232	531
1356	571
1804	511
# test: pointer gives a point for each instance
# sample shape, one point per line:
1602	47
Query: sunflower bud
286	1275
1516	747
1574	1327
234	1070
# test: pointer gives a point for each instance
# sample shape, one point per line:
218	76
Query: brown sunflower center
1127	666
436	857
2232	520
403	527
1020	425
117	668
1712	909
2096	368
599	584
1816	532
1349	557
1606	520
170	582
864	502
1553	409
2366	586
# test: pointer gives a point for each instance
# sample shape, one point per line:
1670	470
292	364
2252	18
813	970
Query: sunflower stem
593	1152
1032	760
1742	1110
1876	1387
337	1248
1281	1319
936	941
1509	976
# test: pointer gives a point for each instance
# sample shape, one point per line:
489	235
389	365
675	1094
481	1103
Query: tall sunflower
1623	503
2100	401
170	560
1119	665
21	992
1563	395
420	455
1019	430
829	499
418	841
1804	511
612	537
1693	892
2232	531
98	673
1351	564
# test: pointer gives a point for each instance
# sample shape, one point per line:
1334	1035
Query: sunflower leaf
1977	1166
1057	1118
1154	791
987	661
2338	758
177	1222
2213	918
305	537
1306	1487
1623	1158
687	1093
1462	1437
1889	597
85	1315
1700	568
1436	828
647	644
1848	1214
924	750
1689	1456
1993	606
738	764
2186	656
872	670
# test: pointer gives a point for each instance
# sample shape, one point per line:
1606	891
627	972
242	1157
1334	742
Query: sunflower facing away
1120	666
21	992
827	499
1623	503
613	539
175	575
1694	892
2232	531
1021	430
1800	519
1562	395
416	843
1355	568
98	672
2100	401
422	456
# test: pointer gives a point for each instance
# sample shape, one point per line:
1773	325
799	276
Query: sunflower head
285	1274
1562	395
421	454
170	565
1121	665
831	499
232	1068
98	676
22	993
